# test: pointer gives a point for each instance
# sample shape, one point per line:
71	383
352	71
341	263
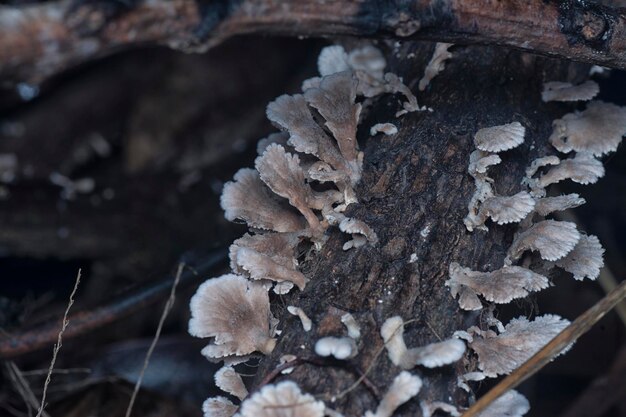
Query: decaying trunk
414	193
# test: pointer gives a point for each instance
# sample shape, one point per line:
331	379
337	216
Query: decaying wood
37	41
414	194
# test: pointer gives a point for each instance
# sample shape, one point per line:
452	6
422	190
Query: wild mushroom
429	408
404	387
279	138
500	138
500	354
585	260
561	91
502	210
281	400
338	347
436	64
510	404
249	199
582	169
307	324
430	356
385	128
219	407
500	286
358	227
281	171
228	380
236	312
334	99
552	239
268	256
547	205
597	130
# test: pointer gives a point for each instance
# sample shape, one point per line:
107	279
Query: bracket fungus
552	239
500	286
501	209
597	130
281	400
548	205
404	387
219	407
585	260
354	330
500	138
510	404
431	356
228	380
249	199
562	91
500	354
268	256
384	128
234	311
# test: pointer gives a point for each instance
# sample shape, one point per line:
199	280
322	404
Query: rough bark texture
414	193
40	40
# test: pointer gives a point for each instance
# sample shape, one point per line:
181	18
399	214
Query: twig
166	310
23	387
568	336
57	347
41	336
39	40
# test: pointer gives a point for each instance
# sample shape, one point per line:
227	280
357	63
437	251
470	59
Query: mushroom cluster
587	135
303	179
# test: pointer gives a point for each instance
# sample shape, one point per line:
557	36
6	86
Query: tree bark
38	41
414	193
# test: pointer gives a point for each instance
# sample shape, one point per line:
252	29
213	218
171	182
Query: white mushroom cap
585	260
404	387
539	163
219	407
368	59
281	400
500	286
332	59
521	339
582	169
249	199
437	354
334	99
552	239
548	205
436	64
236	312
268	256
561	91
500	138
510	404
307	324
502	210
281	171
292	113
429	408
430	356
354	226
279	138
597	130
339	347
385	128
228	380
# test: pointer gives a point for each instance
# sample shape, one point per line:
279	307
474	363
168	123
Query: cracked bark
414	193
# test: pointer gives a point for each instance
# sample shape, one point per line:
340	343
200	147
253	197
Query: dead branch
40	40
40	336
